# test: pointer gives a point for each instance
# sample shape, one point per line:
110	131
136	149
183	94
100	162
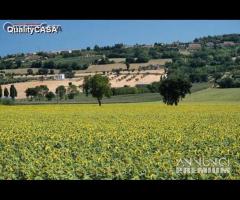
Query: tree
237	61
60	91
154	87
8	64
72	91
42	90
118	46
125	90
98	86
96	48
130	60
51	71
30	71
67	72
50	96
0	91
49	65
36	64
103	61
128	66
174	89
142	59
31	92
226	82
38	91
74	66
86	85
6	93
13	92
153	53
43	71
19	63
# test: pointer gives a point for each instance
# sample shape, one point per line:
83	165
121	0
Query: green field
82	99
81	60
129	98
215	95
200	86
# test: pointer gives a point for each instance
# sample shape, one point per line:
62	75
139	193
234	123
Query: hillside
121	65
200	60
211	60
130	79
215	95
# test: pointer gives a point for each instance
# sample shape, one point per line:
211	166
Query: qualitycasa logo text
31	28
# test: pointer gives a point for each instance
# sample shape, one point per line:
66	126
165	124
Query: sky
77	34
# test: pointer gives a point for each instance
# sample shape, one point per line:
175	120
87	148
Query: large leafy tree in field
38	91
98	86
61	91
31	92
50	95
174	89
42	90
72	91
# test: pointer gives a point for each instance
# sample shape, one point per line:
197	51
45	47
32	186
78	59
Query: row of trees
139	89
44	71
141	52
99	86
53	65
42	91
41	71
172	89
11	93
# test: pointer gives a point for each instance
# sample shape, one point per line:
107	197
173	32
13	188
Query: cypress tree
6	93
13	92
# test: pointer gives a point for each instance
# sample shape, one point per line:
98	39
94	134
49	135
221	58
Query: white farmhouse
59	77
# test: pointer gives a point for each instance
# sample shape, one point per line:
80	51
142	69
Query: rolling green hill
201	93
214	95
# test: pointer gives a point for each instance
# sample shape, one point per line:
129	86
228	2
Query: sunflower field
116	141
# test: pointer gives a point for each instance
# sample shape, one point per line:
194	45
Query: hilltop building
228	44
210	44
194	46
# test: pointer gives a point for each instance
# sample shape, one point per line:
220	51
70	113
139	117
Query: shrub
50	96
124	90
6	101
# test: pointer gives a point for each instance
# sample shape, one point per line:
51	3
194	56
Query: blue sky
79	34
